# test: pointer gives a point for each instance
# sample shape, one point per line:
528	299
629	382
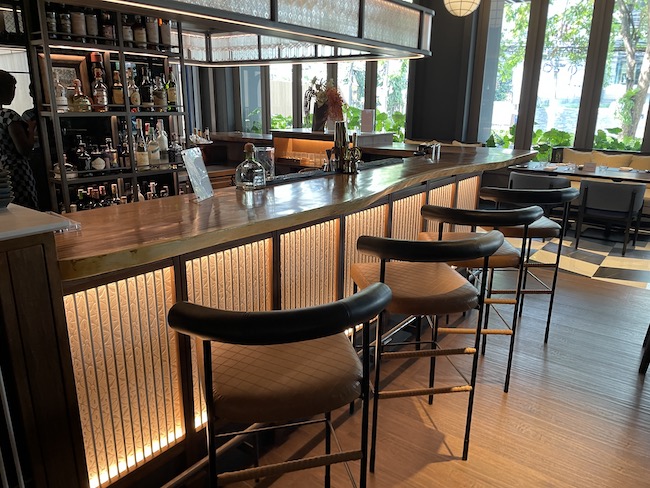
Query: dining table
584	171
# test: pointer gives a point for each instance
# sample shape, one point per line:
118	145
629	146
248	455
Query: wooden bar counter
286	246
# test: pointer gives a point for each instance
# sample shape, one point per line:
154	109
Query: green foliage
352	116
395	123
613	139
626	108
253	121
544	142
279	121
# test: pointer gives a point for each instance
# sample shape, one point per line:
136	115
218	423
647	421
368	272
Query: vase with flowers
328	103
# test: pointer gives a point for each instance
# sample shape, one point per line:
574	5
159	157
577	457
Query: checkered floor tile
599	257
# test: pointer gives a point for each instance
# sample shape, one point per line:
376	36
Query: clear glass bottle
61	94
139	33
171	91
159	95
80	102
152	147
250	174
146	92
113	161
141	153
163	139
118	89
133	90
100	92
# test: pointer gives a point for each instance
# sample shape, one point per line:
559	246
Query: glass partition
281	100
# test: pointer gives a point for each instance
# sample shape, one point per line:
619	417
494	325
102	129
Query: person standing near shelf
16	143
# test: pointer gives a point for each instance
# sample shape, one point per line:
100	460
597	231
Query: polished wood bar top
124	236
563	169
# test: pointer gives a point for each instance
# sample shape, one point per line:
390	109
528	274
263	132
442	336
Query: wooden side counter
286	246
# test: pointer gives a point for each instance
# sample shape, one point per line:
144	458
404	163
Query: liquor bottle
113	161
141	154
164	192
152	147
139	194
146	92
159	95
115	194
97	161
118	89
139	33
174	151
100	92
50	19
65	23
125	154
82	157
152	190
81	200
162	139
171	91
80	102
92	25
153	38
61	94
250	174
165	33
134	91
127	31
78	20
108	27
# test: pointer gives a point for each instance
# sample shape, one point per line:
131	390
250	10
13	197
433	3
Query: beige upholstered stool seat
541	228
420	288
285	381
507	256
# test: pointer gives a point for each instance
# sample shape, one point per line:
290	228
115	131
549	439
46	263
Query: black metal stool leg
375	396
432	360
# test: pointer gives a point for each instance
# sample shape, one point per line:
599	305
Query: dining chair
424	285
267	369
611	203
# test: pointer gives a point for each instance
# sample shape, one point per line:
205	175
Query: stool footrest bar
424	391
460	330
426	353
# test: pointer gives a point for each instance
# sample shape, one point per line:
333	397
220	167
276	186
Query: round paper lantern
461	8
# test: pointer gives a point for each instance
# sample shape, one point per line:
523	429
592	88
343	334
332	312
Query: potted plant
328	103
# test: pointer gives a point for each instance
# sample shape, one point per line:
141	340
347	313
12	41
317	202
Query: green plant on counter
395	123
352	117
279	121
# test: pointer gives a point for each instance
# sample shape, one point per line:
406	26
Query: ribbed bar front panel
126	372
308	265
442	197
234	279
467	198
407	222
371	222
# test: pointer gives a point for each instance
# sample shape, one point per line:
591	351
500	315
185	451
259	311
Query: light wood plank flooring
577	414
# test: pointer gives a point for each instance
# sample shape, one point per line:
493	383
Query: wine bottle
80	102
139	33
118	89
146	91
82	157
171	91
141	154
112	154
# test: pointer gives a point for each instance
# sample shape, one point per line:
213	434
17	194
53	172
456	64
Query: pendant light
461	8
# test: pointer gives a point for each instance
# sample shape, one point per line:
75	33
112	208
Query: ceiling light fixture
461	8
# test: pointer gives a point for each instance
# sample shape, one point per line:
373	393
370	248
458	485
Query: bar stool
541	228
422	285
272	367
506	257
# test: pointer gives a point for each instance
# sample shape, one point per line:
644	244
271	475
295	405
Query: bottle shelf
110	113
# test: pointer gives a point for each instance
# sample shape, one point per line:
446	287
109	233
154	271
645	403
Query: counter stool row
267	369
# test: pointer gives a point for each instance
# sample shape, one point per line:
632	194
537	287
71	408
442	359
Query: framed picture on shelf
65	68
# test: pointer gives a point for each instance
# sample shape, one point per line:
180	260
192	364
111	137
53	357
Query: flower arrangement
324	93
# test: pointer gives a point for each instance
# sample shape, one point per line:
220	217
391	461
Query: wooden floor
577	414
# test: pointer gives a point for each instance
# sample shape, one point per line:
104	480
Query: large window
15	62
504	64
624	98
392	85
281	103
309	72
352	84
251	98
562	74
